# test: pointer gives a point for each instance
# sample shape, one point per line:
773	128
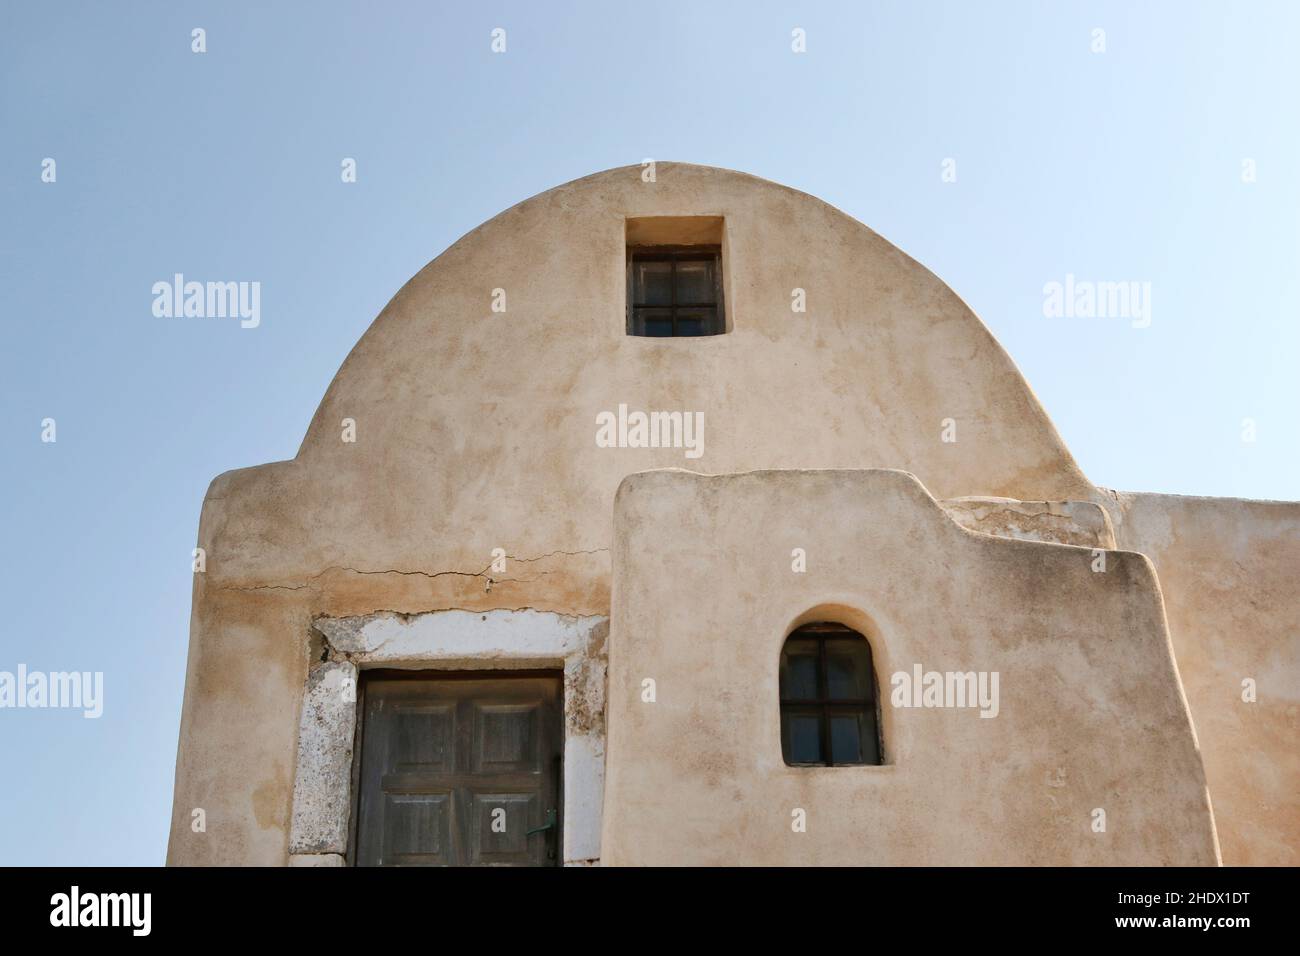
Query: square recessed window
674	289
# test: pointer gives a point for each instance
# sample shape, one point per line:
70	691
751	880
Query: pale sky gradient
1117	166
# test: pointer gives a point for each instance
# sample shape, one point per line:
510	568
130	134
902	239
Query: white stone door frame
445	640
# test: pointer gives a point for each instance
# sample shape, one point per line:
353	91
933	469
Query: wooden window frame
365	677
827	706
675	254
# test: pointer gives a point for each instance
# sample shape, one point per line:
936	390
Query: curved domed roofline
474	399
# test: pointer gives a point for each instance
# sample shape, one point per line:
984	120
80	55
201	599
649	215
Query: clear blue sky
1115	166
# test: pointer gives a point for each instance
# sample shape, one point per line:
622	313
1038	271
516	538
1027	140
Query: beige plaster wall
238	737
1091	712
476	430
1230	572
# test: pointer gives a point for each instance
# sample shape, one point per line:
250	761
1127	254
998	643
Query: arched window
829	714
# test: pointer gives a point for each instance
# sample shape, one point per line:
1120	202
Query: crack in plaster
431	575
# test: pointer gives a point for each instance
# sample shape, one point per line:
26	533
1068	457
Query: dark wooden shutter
443	759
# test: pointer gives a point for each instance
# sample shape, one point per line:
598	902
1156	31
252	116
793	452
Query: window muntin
674	291
829	698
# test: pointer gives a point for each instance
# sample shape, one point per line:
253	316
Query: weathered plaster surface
1230	572
239	729
475	431
1091	711
321	804
1084	523
483	419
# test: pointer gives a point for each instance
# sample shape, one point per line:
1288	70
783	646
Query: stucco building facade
612	475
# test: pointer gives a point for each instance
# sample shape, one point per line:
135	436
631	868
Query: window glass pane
846	739
655	322
695	282
689	324
652	282
801	736
848	668
799	669
694	322
870	737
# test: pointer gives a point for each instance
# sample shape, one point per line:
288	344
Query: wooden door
456	770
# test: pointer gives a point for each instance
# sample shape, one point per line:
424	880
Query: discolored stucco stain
270	800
